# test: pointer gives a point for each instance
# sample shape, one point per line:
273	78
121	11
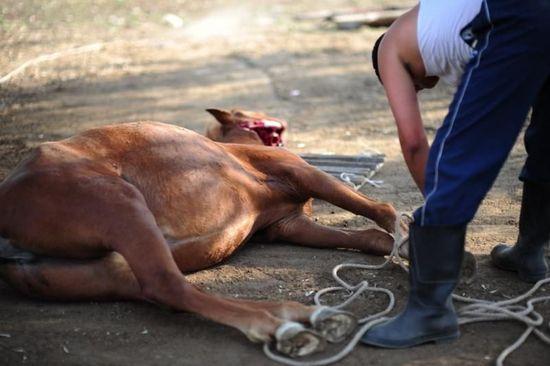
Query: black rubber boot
527	256
436	256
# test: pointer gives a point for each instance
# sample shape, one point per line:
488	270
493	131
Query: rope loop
475	310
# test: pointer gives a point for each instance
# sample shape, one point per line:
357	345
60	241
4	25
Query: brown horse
120	211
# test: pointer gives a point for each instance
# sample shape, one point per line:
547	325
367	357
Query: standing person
497	53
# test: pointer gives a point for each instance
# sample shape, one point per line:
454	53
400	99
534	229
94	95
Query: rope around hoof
476	310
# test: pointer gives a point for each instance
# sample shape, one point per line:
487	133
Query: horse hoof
333	325
294	340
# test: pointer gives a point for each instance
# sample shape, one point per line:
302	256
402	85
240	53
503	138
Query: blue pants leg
500	84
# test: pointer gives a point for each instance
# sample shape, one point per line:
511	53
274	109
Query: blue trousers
508	74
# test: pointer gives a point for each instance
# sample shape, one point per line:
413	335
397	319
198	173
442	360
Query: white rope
348	178
477	310
363	178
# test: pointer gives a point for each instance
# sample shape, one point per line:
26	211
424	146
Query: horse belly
196	252
200	205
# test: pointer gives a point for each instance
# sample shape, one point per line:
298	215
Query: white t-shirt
444	52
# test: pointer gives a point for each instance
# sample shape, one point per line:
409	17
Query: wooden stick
49	57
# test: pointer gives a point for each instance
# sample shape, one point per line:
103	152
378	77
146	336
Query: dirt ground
249	54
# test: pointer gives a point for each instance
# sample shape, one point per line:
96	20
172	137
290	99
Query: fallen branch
49	57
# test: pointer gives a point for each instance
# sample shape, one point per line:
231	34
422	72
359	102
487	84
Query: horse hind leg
106	278
10	253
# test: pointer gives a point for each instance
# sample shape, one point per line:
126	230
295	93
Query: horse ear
221	116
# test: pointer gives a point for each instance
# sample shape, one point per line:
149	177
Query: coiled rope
477	310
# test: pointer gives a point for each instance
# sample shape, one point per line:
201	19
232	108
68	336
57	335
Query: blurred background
169	60
79	64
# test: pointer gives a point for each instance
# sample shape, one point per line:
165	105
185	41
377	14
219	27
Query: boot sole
529	278
501	263
437	339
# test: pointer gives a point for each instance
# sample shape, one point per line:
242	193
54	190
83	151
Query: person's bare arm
401	93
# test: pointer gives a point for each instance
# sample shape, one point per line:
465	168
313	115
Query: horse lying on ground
120	211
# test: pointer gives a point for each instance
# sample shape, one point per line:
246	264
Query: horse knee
166	288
